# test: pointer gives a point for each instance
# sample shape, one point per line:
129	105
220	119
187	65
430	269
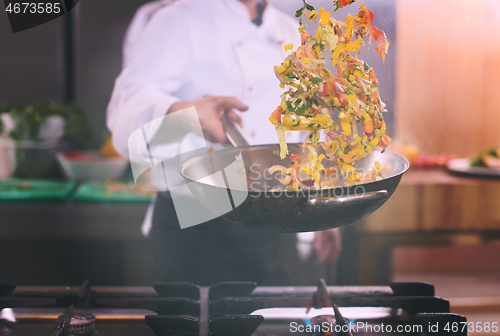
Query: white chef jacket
194	48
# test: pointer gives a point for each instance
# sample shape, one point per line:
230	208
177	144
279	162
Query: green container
35	190
36	160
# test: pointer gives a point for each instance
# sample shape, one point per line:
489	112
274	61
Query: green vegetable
303	109
478	161
29	119
307	6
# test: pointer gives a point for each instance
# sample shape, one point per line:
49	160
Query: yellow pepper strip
301	28
335	56
317	176
306	60
312	15
360	150
289	46
321	157
354	46
355	177
383	128
360	74
348	169
307	170
345	122
350	179
326	71
374	142
371	110
324	17
321	121
273	120
292	124
282	141
319	32
369	149
346	127
349	26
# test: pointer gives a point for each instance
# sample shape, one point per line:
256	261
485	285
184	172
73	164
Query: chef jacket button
240	43
250	88
252	134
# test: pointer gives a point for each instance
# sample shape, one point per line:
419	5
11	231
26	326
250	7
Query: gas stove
226	309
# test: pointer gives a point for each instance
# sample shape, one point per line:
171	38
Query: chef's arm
210	110
327	244
146	88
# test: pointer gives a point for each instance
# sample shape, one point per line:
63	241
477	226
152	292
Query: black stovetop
232	309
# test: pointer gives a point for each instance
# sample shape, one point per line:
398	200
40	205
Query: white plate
463	166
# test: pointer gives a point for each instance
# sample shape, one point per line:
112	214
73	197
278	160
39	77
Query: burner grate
237	308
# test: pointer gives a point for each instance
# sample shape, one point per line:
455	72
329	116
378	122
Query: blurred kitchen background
440	82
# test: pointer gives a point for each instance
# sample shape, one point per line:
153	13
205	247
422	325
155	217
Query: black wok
255	206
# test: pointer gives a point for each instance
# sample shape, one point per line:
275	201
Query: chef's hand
210	110
327	245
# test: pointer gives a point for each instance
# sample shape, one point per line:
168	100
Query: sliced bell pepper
295	158
349	26
343	3
277	114
324	17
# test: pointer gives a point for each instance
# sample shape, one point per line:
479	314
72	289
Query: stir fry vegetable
313	93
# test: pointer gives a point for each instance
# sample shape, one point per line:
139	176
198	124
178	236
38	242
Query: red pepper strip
295	158
343	3
369	17
277	114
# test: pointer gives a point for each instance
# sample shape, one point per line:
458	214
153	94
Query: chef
215	55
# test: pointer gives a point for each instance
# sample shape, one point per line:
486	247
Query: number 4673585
33	8
472	327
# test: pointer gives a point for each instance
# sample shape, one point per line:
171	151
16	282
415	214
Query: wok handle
234	132
305	205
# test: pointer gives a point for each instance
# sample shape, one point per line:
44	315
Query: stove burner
232	308
82	324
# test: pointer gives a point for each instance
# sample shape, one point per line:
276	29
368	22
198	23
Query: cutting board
35	190
91	192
